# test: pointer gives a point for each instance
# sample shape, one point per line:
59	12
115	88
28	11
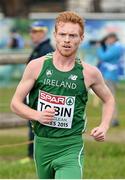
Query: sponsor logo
52	98
73	77
70	101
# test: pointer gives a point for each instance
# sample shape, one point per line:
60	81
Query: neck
63	63
40	41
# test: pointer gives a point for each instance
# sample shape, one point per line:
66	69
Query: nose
67	39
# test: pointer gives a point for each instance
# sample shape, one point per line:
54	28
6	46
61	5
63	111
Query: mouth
67	47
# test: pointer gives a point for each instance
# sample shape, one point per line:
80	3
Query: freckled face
68	38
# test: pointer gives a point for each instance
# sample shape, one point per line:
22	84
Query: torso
54	84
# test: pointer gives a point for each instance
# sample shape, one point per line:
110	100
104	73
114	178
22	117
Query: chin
66	54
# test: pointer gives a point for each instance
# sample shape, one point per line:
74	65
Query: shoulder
35	66
91	74
36	62
90	69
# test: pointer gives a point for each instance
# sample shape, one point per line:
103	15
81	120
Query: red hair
68	16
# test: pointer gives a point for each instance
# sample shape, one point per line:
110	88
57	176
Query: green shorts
59	158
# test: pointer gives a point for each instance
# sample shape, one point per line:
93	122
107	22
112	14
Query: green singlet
59	144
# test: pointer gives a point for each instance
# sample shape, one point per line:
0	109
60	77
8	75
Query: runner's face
68	38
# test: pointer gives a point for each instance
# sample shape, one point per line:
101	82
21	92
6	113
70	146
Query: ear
82	37
54	33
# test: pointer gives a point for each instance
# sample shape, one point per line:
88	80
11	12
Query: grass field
102	160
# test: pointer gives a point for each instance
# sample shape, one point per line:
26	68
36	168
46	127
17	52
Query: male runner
58	86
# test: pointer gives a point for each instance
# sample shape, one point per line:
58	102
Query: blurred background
101	18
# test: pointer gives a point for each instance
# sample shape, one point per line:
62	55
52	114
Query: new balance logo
73	77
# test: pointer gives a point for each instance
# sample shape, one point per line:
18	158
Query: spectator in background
42	46
16	40
109	54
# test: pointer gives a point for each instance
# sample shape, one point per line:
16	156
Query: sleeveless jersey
66	92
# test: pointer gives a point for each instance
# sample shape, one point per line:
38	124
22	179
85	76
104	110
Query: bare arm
27	82
96	82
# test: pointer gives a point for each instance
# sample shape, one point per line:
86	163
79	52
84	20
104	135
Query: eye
73	35
62	34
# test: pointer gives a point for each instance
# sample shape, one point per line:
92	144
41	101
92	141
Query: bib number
63	105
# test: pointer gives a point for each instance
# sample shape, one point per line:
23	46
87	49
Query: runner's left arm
103	92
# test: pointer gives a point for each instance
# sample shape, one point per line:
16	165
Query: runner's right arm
27	82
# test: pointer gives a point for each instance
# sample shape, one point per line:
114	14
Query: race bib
63	105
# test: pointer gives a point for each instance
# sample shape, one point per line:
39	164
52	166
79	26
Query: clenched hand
47	115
